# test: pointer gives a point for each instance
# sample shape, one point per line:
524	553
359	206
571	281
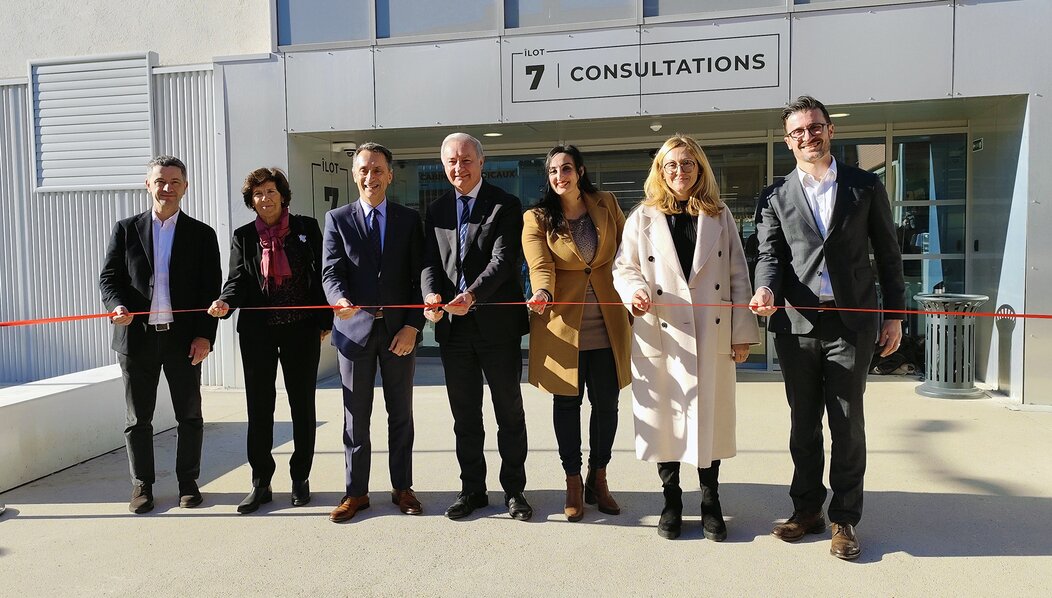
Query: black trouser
825	371
297	347
466	356
709	476
141	372
597	370
358	373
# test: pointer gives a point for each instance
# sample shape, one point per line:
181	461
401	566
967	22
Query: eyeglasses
815	129
684	166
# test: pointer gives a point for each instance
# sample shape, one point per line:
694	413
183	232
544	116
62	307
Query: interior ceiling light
492	134
655	126
839	115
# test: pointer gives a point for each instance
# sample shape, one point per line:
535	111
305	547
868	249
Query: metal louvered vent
91	122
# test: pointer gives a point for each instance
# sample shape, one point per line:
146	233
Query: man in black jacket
158	263
472	251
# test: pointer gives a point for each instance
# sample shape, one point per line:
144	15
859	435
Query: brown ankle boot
574	508
597	492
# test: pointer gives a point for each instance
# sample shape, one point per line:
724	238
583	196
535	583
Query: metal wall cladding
91	122
53	242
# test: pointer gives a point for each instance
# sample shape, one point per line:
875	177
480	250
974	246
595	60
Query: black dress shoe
300	493
260	495
518	508
189	495
142	499
466	504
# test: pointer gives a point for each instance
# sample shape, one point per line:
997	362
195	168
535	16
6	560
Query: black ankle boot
670	524
712	523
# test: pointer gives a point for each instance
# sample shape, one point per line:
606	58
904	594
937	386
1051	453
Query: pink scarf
275	264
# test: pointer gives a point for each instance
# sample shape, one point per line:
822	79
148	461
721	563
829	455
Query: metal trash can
950	345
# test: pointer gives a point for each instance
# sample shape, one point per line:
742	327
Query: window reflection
655	8
399	18
534	13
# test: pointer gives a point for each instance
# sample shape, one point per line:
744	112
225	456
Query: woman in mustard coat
569	239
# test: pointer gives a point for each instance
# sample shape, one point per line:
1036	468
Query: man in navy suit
371	257
157	264
815	230
472	252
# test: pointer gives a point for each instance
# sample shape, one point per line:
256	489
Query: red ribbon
1022	316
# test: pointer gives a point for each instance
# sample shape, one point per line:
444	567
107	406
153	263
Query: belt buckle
161	327
379	315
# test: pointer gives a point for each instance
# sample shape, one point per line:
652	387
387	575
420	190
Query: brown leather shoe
597	492
407	501
348	507
845	542
574	507
798	525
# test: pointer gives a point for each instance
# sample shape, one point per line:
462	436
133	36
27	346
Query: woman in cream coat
569	240
681	247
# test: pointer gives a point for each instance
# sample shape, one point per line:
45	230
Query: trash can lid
951	298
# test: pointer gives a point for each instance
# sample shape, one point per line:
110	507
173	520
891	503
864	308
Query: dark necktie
374	233
463	247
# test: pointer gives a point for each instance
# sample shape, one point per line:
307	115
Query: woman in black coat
275	262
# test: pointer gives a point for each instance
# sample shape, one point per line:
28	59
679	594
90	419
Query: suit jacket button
717	320
717	286
587	270
719	253
650	258
664	324
659	291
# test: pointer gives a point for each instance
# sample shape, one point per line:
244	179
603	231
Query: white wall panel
330	90
761	82
902	52
440	84
14	191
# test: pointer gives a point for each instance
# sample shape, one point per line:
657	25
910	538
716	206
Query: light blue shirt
161	300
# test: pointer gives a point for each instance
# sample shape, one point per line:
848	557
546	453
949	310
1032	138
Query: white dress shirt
163	234
821	196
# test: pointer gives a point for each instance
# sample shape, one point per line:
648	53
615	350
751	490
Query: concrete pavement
958	502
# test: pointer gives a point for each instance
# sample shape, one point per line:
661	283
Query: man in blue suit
371	257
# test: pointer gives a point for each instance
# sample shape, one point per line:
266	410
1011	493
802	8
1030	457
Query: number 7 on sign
537	70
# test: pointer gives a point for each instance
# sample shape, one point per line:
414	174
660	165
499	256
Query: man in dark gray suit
815	229
371	257
472	252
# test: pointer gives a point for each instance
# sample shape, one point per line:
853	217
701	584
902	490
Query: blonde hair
704	195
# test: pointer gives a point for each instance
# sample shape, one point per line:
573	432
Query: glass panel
741	173
532	13
424	17
932	275
931	167
654	8
916	234
318	21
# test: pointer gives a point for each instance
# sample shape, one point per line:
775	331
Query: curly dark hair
548	208
262	176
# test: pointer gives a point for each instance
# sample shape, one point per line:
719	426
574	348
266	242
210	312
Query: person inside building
275	261
681	266
582	341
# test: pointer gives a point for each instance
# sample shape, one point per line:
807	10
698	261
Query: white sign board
733	63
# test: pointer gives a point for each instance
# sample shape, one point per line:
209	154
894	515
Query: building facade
946	101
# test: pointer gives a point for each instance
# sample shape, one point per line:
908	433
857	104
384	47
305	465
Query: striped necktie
462	227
